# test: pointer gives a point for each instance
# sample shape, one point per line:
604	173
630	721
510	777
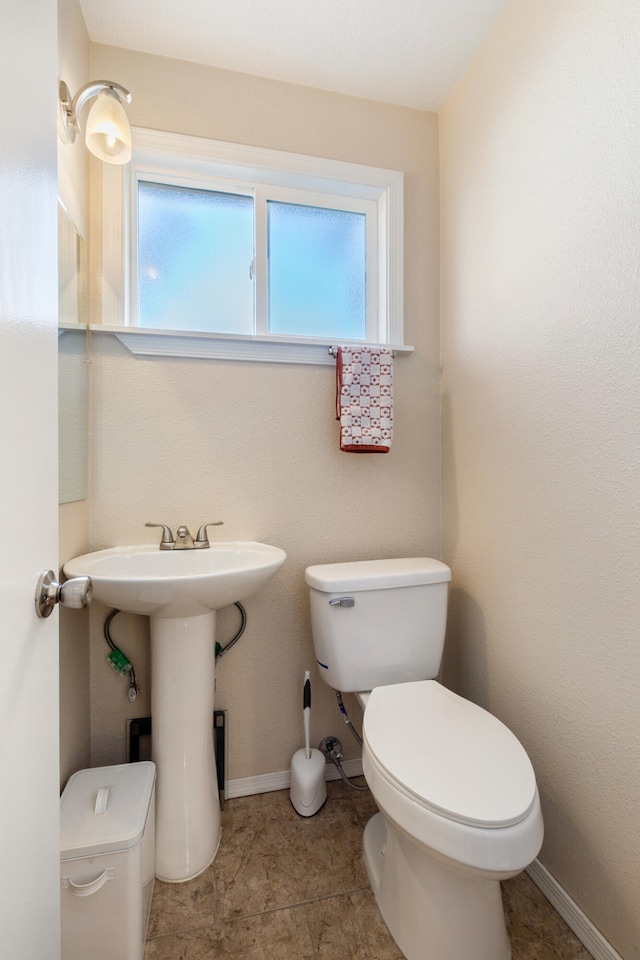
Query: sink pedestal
181	590
182	689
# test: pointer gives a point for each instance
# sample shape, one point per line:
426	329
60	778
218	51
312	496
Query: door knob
74	593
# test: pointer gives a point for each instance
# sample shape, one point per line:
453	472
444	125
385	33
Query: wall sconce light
107	134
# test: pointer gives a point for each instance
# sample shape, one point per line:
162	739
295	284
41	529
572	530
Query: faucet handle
167	537
202	541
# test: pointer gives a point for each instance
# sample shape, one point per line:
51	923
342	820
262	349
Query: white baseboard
584	929
281	780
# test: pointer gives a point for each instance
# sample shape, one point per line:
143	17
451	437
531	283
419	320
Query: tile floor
283	887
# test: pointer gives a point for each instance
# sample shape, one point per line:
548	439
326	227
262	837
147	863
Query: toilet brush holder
308	786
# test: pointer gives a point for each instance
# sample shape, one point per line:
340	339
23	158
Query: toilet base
433	912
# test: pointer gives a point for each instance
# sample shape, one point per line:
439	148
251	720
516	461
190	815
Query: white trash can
107	861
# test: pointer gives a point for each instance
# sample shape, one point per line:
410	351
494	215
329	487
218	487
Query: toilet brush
308	787
306	713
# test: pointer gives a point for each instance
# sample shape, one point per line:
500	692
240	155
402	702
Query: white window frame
195	161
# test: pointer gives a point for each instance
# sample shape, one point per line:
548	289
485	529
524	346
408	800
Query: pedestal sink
180	590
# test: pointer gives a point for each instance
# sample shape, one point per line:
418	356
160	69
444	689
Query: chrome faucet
184	540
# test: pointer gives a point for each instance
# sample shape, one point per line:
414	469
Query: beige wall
540	152
186	441
73	191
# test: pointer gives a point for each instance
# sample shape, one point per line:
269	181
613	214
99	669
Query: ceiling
407	52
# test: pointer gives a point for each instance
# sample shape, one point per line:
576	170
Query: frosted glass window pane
195	249
317	272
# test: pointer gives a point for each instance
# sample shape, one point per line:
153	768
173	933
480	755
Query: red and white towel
364	399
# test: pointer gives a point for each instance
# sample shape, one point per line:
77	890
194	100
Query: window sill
69	326
219	346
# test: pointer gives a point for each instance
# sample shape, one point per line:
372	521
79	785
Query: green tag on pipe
119	662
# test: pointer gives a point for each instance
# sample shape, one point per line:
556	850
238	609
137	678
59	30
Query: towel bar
333	351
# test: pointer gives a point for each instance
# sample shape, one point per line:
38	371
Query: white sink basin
177	583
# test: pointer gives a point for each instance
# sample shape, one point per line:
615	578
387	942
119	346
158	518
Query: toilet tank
376	622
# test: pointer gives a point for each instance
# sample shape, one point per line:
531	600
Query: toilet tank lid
376	574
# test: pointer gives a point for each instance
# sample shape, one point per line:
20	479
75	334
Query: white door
29	806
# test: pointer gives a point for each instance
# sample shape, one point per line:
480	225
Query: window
243	245
317	263
193	260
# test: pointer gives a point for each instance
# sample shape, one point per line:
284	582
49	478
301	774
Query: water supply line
331	747
347	719
119	661
123	666
220	651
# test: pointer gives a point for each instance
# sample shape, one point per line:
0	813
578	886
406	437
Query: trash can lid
104	809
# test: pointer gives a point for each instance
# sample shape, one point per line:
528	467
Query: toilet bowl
460	811
459	806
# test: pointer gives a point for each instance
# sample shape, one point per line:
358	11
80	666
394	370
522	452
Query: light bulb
108	135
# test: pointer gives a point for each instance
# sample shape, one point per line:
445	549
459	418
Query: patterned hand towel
364	399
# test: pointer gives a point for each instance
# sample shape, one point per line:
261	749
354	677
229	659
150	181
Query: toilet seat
448	755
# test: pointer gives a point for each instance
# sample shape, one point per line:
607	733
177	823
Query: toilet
459	806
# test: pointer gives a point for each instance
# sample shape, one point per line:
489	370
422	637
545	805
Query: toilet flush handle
343	602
